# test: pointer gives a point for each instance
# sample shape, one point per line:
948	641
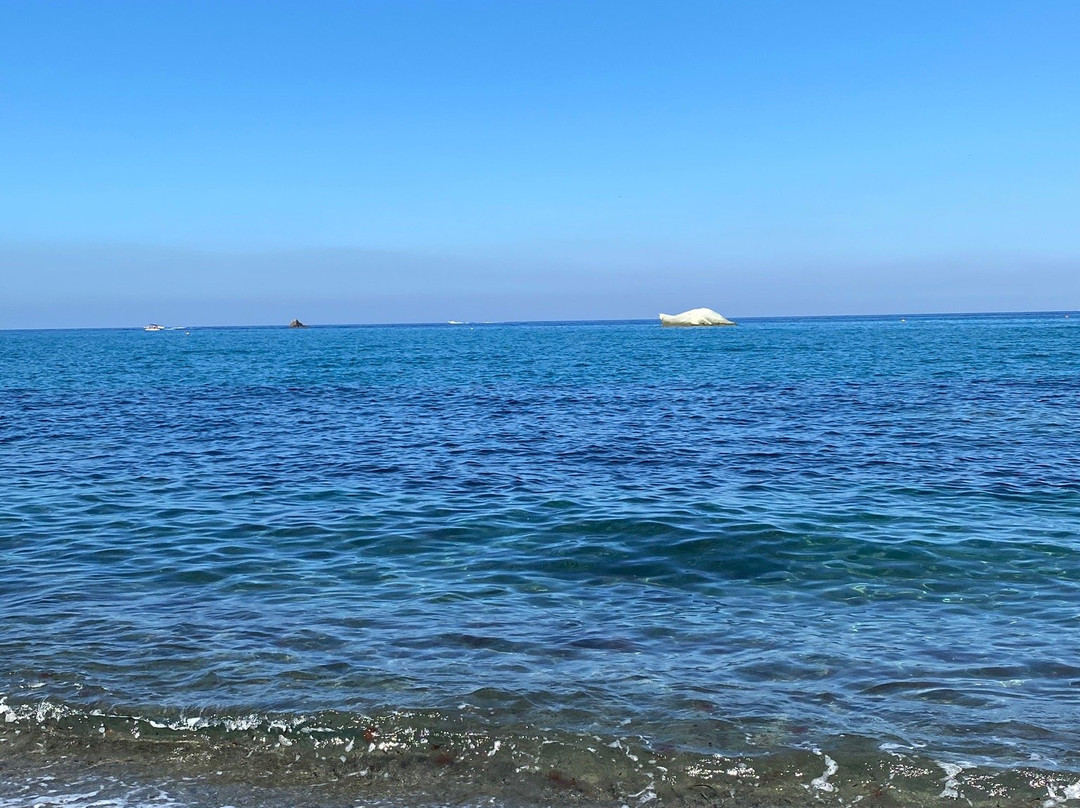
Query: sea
802	561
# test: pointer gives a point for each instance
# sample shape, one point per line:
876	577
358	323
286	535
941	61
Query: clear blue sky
248	162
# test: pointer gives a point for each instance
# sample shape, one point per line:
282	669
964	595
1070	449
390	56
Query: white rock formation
695	317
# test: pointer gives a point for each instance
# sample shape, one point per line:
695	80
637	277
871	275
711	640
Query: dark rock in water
297	324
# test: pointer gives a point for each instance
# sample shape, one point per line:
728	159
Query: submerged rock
297	324
695	317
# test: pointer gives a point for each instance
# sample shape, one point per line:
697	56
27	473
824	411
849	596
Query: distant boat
154	327
454	322
695	317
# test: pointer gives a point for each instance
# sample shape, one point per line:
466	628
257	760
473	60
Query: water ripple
868	528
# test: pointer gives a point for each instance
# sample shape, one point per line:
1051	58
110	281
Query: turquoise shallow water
856	535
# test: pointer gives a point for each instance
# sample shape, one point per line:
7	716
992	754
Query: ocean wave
398	758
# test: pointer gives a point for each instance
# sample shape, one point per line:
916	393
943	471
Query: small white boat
154	327
695	317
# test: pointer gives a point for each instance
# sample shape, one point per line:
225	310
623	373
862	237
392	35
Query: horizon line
441	323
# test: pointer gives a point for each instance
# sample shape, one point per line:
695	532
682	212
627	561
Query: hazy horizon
126	286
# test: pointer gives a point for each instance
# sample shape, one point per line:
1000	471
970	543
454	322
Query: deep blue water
736	541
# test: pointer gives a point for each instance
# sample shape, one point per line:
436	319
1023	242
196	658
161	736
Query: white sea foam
952	785
1071	792
101	792
821	782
